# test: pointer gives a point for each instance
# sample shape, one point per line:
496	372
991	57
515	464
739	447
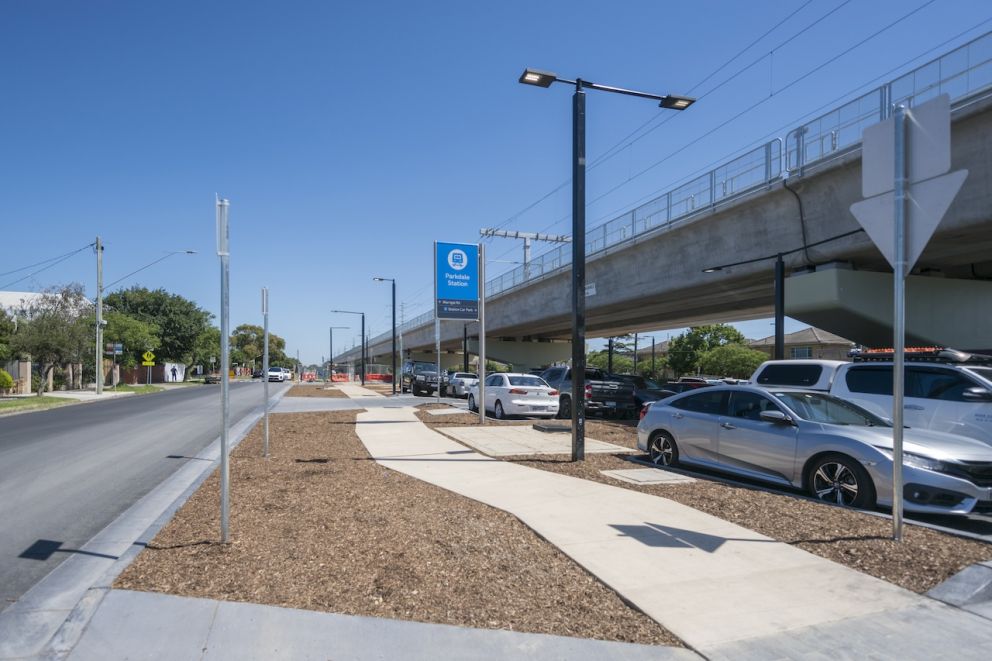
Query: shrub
6	381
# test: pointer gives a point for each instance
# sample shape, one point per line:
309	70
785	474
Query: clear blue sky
350	136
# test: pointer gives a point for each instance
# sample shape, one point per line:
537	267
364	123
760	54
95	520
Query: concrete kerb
54	612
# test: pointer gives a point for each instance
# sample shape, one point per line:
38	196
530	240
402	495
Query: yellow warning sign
149	358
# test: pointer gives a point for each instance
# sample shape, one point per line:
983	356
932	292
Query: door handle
727	425
677	416
913	407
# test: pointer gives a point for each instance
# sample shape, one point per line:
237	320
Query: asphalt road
68	472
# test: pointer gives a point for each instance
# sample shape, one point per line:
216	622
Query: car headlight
919	461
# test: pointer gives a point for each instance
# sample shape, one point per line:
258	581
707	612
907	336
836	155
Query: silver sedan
831	448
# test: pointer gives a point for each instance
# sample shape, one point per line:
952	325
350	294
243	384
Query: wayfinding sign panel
456	280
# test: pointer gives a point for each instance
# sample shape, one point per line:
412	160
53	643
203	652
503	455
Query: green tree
179	320
207	346
55	329
7	326
601	359
137	336
6	381
685	350
733	360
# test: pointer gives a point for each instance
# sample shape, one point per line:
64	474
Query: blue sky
349	136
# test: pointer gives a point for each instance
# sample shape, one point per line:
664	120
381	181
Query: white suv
954	397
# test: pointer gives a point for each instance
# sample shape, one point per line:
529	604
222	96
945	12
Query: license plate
539	408
611	405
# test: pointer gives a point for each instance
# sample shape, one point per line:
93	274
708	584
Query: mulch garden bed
315	391
321	526
861	541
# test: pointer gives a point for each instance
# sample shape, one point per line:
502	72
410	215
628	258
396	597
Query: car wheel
471	404
663	450
838	479
564	408
417	392
500	414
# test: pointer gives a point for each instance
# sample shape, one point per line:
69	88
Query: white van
943	396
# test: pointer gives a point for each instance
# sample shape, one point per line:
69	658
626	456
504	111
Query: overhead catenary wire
624	144
746	110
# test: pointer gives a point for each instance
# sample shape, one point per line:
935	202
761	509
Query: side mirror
977	394
776	417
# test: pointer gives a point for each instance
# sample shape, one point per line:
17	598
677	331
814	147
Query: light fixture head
713	269
537	77
673	102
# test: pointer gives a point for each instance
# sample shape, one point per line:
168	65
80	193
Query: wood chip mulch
861	541
321	526
315	391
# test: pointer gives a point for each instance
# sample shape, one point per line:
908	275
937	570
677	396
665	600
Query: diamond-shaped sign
148	356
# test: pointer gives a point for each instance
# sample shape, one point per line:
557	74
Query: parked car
407	376
683	386
645	390
512	393
277	374
951	394
833	449
257	374
424	380
461	382
603	395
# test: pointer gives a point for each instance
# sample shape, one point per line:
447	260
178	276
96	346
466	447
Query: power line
612	151
749	109
58	260
45	261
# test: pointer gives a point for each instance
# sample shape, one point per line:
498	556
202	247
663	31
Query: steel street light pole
545	79
330	346
393	281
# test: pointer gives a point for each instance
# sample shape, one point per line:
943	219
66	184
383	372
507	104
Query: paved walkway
355	390
510	440
131	625
725	590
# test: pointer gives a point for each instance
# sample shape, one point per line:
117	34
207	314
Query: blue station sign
456	280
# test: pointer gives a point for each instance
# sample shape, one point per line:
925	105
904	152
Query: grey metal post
654	369
99	316
225	364
898	318
578	273
779	308
265	367
363	350
635	353
482	334
609	355
394	336
437	353
464	347
526	258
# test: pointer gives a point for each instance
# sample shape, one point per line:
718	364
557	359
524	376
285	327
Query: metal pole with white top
265	366
898	317
225	364
99	316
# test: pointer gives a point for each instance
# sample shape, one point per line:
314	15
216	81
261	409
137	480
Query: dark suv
420	378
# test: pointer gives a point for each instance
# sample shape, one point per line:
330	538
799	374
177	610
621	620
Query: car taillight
644	410
517	391
588	392
553	393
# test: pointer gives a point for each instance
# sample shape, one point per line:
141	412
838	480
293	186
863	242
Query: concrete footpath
728	592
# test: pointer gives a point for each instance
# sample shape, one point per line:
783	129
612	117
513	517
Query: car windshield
818	407
984	372
529	381
417	369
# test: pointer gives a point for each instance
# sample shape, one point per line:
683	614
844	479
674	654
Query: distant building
807	343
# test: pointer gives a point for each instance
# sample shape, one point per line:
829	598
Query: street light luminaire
673	102
537	77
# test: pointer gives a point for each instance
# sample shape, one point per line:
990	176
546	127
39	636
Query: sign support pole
225	365
898	318
482	334
265	368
